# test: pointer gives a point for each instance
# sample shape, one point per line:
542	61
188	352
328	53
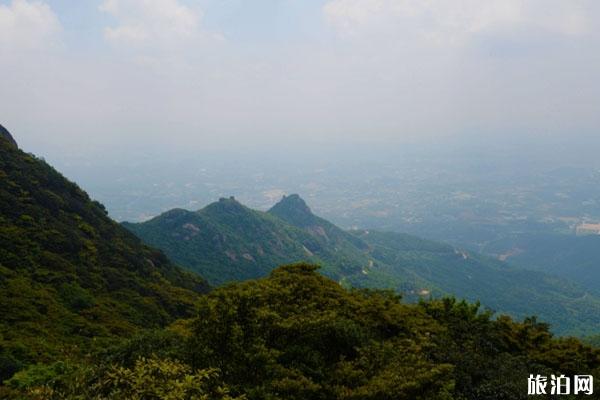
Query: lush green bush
148	379
298	335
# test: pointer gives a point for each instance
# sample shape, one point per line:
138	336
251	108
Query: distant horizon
570	146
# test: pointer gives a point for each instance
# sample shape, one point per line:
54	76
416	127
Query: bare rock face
5	134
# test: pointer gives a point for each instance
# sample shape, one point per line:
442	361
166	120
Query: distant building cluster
588	229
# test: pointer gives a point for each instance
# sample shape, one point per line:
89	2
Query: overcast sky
215	72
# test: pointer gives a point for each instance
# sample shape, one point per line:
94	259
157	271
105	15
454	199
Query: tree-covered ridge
227	241
297	335
504	288
70	277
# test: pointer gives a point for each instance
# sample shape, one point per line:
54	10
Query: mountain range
90	312
226	241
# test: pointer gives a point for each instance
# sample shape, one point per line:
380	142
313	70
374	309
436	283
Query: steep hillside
294	210
70	277
229	242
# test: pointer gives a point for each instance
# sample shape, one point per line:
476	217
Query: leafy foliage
149	378
299	335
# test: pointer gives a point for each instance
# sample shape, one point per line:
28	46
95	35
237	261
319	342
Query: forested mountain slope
227	241
70	277
504	288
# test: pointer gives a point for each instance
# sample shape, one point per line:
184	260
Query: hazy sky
96	73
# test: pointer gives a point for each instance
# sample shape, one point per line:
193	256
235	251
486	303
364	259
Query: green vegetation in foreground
298	335
71	279
227	241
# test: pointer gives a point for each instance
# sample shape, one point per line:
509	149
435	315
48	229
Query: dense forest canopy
298	335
